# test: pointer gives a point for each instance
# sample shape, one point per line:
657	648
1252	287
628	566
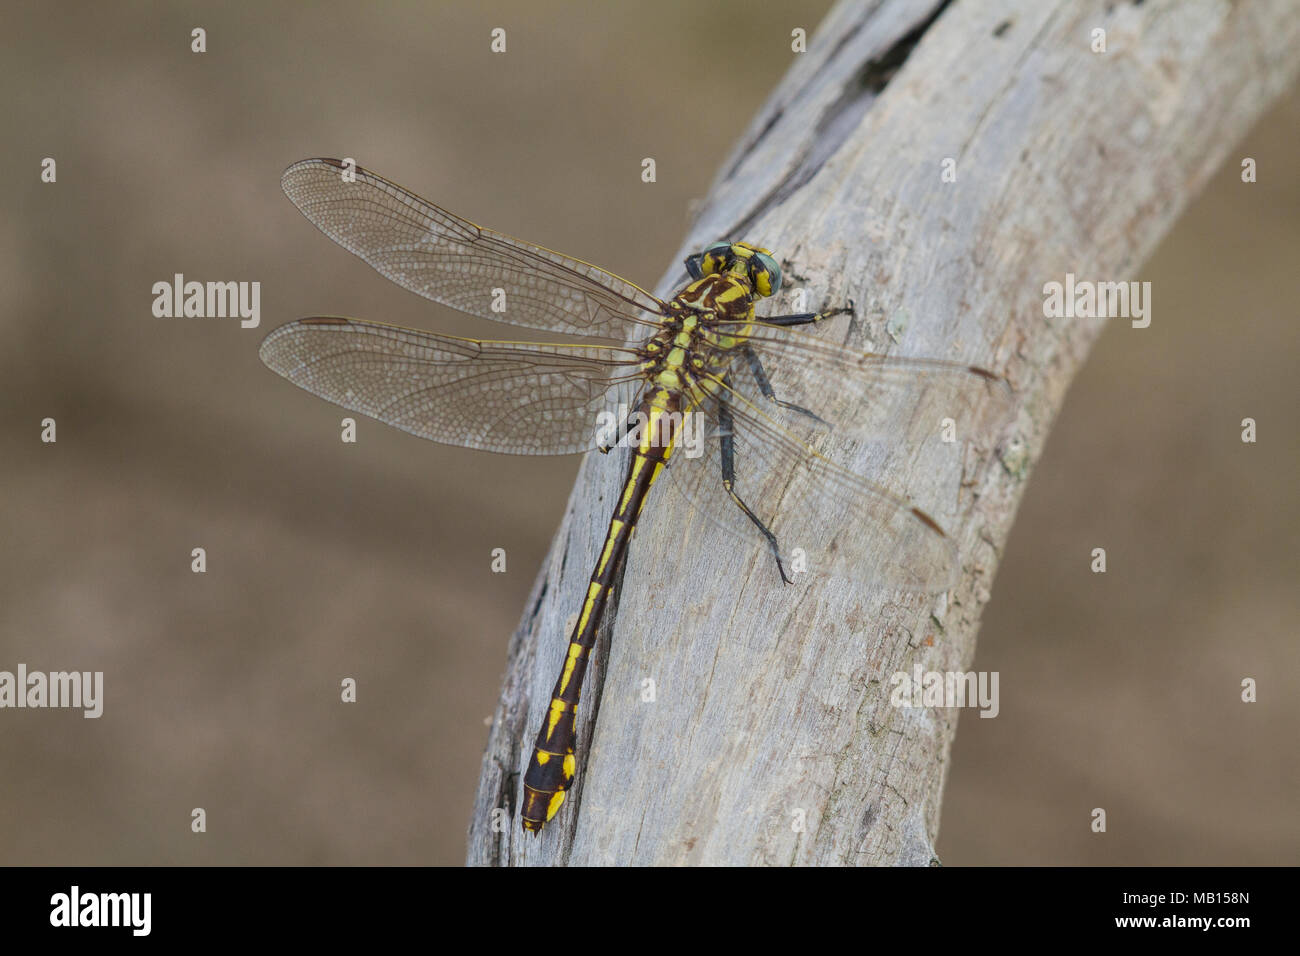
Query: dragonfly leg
693	268
727	449
807	318
765	386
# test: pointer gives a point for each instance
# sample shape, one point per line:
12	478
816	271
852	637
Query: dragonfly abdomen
553	765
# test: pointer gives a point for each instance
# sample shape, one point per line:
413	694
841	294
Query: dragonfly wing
787	465
451	260
812	507
873	394
520	398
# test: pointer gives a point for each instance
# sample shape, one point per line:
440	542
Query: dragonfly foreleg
807	318
693	267
765	386
727	449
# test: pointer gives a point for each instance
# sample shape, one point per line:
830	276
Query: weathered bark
772	704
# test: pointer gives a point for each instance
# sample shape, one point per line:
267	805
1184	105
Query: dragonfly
689	382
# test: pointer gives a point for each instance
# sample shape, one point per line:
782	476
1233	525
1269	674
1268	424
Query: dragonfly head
741	259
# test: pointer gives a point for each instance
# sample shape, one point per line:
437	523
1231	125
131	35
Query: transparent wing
879	414
862	393
453	261
520	398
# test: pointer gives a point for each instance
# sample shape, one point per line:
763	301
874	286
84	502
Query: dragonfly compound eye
765	273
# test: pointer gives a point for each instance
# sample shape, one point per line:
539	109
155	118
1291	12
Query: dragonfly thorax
718	298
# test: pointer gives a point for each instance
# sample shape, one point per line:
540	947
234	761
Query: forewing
451	260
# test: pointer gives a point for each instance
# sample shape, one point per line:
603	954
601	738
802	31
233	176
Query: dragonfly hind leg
727	449
765	386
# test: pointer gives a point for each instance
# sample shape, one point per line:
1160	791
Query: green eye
767	274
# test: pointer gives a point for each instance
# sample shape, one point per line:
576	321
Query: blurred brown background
372	560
